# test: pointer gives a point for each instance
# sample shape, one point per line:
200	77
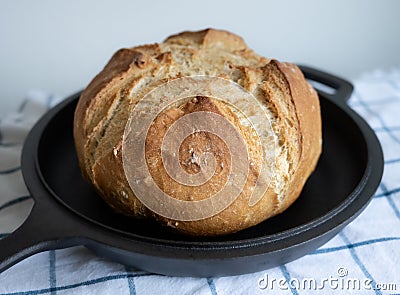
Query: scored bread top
290	103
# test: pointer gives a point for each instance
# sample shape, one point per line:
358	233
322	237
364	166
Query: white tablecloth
366	252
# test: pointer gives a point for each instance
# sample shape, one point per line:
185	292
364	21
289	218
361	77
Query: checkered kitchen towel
366	251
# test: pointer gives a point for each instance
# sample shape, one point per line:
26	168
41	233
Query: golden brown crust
118	64
306	102
104	108
209	38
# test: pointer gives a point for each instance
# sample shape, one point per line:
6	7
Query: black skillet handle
340	89
39	232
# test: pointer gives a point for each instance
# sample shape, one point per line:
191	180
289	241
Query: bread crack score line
202	134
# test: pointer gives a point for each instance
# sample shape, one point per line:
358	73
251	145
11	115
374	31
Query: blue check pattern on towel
368	250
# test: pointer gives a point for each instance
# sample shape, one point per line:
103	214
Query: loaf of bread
105	116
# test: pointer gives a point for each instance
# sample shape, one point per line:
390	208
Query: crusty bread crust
290	102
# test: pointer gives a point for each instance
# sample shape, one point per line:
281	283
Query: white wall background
58	46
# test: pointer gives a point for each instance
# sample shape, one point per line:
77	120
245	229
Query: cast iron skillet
68	212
